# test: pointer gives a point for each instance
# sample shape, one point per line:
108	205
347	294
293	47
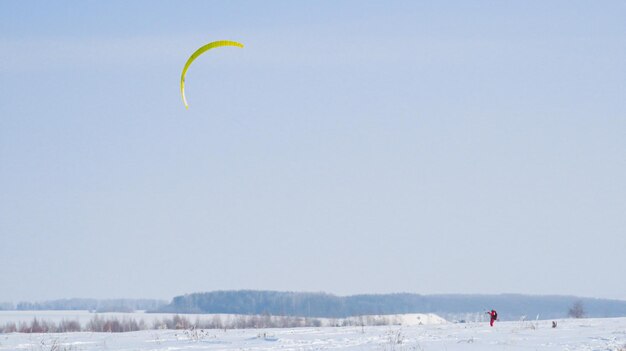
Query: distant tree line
177	322
509	306
323	305
95	305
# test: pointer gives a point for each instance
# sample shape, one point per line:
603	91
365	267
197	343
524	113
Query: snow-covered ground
408	319
571	334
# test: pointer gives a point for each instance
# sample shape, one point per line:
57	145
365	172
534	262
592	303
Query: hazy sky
350	147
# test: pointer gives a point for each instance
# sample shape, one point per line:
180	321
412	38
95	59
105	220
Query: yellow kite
195	55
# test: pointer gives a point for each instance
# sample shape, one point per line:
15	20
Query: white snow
570	334
398	319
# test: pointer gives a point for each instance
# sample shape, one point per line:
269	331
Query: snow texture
570	334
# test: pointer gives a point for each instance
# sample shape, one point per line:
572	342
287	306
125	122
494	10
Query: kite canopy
195	55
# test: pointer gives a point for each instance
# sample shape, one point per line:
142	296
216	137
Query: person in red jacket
493	315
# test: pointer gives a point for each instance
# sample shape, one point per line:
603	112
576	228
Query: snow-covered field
572	334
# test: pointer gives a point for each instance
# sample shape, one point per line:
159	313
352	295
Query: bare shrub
577	310
9	327
216	322
68	326
394	339
114	325
96	324
195	334
37	326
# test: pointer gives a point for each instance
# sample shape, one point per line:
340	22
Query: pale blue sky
351	147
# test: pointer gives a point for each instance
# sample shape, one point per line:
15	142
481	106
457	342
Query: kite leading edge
195	55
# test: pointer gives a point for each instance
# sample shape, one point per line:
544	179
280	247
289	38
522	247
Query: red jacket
493	314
